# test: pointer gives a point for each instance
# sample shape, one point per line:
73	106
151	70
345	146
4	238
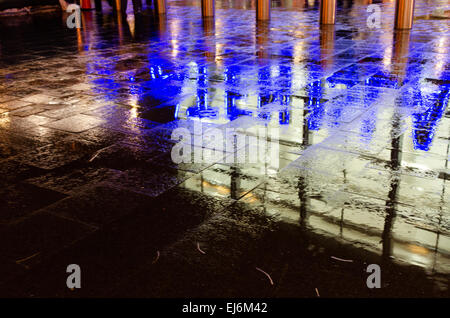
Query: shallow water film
180	156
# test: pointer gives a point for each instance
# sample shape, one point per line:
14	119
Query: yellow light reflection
416	249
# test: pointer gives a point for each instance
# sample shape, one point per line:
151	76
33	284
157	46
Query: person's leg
123	5
63	4
98	5
137	6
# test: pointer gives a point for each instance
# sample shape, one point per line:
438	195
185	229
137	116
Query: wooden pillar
327	11
263	10
98	5
404	14
118	5
160	6
207	8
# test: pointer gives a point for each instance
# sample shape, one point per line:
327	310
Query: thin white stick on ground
342	260
265	273
27	258
98	152
157	257
317	292
199	249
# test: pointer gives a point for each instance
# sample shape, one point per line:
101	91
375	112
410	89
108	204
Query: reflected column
161	23
327	42
399	60
305	129
120	5
400	54
120	27
79	40
209	31
262	39
235	171
235	182
441	209
262	53
98	5
304	201
391	206
85	34
160	6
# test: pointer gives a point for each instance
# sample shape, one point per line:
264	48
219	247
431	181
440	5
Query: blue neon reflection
269	81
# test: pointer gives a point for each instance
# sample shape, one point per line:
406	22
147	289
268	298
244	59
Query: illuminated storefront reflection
291	86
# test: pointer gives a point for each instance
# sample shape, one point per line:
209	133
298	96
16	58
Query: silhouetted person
137	5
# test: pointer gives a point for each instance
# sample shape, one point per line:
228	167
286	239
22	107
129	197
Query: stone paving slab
361	174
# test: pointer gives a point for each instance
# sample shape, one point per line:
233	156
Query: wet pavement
86	118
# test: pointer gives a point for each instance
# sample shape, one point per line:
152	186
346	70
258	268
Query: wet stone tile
355	143
21	199
193	162
12	123
361	171
223	181
31	240
10	269
14	143
427	166
122	156
112	112
36	120
150	141
46	135
193	273
189	124
7	98
77	123
27	111
11	105
14	171
102	136
163	114
68	108
151	180
131	244
87	208
183	198
328	162
58	154
71	181
132	125
38	99
425	192
7	151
